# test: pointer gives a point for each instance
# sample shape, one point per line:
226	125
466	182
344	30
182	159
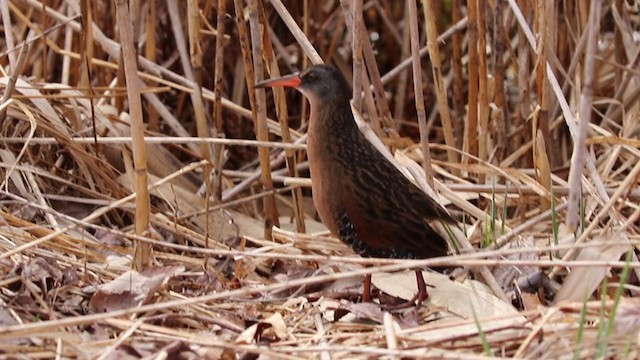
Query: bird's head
318	82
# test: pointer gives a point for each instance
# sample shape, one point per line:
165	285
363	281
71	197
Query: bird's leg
418	298
422	294
366	293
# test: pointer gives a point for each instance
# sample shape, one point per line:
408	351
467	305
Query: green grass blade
602	344
483	337
582	320
601	322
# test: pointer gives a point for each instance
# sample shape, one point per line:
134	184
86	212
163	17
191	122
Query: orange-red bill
292	80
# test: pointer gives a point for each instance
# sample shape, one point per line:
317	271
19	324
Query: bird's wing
388	211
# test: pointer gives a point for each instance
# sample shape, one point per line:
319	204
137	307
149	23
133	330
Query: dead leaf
627	319
6	318
456	298
110	239
274	323
369	311
279	327
131	288
583	281
40	272
530	301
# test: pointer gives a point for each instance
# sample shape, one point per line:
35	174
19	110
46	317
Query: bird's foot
415	301
418	298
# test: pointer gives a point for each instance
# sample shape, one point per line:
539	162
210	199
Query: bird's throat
330	119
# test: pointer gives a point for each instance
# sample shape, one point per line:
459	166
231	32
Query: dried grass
118	122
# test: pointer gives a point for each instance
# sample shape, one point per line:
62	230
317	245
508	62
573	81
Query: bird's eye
311	76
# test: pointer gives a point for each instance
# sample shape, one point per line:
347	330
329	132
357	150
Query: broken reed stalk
262	132
143	254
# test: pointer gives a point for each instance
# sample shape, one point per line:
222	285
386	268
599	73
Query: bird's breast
326	181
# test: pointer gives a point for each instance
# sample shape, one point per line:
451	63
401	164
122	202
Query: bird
360	196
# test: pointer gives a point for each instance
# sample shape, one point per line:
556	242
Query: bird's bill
292	80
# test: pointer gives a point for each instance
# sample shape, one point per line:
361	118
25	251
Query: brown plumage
360	196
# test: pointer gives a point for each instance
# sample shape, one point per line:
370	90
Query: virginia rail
359	195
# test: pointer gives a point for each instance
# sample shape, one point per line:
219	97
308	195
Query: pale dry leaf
628	317
287	270
343	285
468	301
461	304
278	325
7	318
408	318
326	307
367	310
117	262
40	271
583	281
110	239
274	323
131	288
295	302
248	336
460	299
